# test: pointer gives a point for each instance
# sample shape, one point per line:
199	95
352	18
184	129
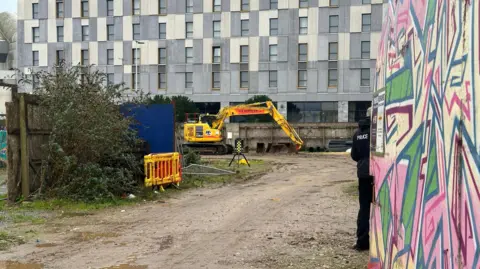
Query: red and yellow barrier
162	169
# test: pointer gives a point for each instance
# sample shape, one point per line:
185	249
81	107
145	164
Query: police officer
361	154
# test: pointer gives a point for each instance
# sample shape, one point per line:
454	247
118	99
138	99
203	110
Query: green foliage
183	105
190	157
89	153
259	118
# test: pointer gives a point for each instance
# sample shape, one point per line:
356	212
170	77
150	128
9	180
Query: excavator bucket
280	148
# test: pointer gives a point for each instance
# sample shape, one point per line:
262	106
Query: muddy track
296	216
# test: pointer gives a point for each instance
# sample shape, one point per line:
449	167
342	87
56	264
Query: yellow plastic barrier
162	169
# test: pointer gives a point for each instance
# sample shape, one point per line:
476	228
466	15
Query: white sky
8	5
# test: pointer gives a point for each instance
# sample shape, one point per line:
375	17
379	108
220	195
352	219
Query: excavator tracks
210	148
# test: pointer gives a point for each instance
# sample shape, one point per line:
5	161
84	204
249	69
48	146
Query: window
217	5
110	8
273	27
59	9
303	3
272	79
84	58
357	110
334	3
273	4
135	7
333	24
366	2
244	26
245	5
162	56
333	51
59	33
162	7
60	57
35	58
244	79
216	28
110	32
332	78
162	31
365	49
110	79
189	6
136	31
302	52
189	55
303	26
110	57
365	77
84	8
366	22
217	55
244	54
302	78
136	56
312	112
85	33
273	53
162	81
35	11
135	80
35	34
189	29
216	80
188	80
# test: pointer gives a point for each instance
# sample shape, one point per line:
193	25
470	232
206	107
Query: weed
7	240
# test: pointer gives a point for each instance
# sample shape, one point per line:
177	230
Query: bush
190	157
89	155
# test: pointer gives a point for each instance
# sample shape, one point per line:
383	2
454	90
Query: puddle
18	265
127	266
87	236
46	245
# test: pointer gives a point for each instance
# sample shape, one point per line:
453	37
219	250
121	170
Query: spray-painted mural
3	148
427	172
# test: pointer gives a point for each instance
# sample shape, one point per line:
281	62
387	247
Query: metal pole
136	69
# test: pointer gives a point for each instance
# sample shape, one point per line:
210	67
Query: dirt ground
296	216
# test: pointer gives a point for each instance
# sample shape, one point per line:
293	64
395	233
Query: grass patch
7	241
351	189
241	172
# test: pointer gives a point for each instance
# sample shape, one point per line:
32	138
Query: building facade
315	58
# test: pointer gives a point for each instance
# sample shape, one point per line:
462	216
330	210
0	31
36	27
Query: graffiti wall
427	164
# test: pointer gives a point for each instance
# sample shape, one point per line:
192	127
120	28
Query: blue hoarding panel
155	125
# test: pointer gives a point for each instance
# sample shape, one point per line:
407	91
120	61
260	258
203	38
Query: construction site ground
301	213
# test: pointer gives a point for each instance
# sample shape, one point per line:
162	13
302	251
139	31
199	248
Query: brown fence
27	132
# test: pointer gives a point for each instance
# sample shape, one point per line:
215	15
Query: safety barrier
162	169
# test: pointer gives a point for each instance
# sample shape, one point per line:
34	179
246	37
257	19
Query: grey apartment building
314	58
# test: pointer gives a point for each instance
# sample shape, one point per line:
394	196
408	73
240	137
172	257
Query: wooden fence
26	133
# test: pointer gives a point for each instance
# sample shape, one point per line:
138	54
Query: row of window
162	7
162	33
302	79
216	54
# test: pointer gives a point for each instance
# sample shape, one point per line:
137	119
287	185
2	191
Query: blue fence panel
155	125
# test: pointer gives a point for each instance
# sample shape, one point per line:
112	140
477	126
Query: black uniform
361	154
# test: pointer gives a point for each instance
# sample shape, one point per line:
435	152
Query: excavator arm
258	109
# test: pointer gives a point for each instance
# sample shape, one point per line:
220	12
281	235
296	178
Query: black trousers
365	194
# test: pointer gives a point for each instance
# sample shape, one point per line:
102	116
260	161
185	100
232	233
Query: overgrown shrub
190	157
89	152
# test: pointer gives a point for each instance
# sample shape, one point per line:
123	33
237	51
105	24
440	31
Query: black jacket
361	148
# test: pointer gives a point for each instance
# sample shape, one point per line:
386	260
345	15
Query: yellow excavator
205	136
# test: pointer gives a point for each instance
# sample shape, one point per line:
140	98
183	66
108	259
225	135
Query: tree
259	118
183	105
8	27
89	152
